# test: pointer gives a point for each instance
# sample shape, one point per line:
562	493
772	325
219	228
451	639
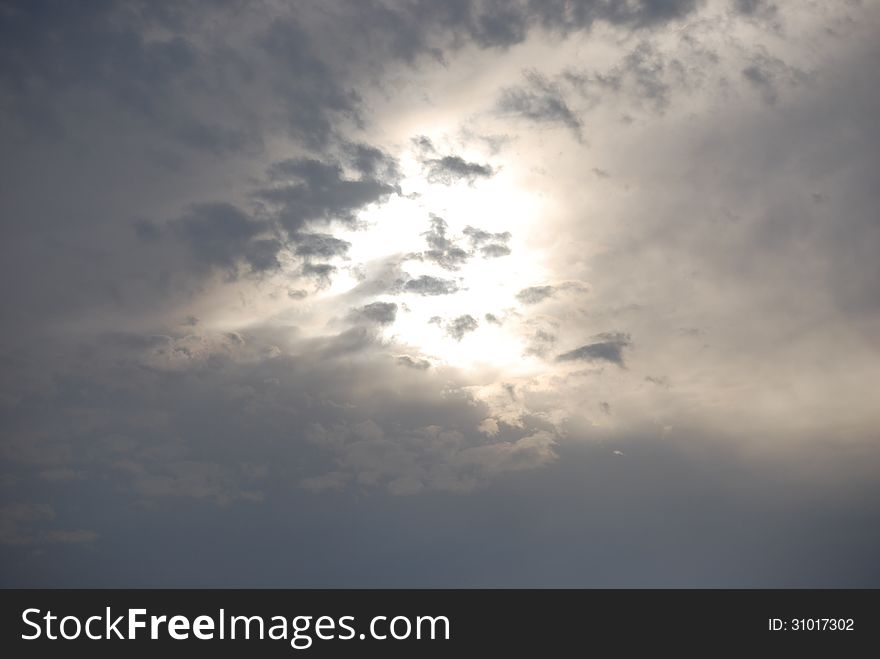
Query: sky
438	293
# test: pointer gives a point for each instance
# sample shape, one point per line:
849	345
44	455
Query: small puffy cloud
461	326
383	313
443	250
423	144
427	285
450	169
490	245
480	236
493	251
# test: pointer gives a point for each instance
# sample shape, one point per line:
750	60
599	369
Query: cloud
411	29
201	480
540	101
309	190
460	326
139	190
767	74
427	285
450	169
320	244
444	252
528	452
660	381
607	347
762	9
494	251
479	236
320	272
383	313
221	235
372	162
535	294
310	97
490	245
414	362
430	457
540	342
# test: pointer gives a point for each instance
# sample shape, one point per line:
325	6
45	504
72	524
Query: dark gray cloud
763	9
460	326
372	162
220	235
607	346
663	543
310	96
493	319
309	190
427	285
320	244
425	27
383	313
535	294
450	169
320	272
444	252
147	231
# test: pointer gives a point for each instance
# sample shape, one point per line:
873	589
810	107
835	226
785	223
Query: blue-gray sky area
400	293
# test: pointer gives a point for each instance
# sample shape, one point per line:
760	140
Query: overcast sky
440	293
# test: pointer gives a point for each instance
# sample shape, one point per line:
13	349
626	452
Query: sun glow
484	285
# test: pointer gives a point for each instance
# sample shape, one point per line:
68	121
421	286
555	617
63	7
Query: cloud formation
358	262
